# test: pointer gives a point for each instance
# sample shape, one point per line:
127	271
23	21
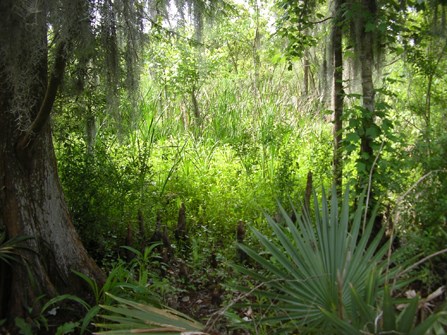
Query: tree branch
27	138
322	20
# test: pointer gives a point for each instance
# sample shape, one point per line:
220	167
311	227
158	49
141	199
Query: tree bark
31	198
308	192
337	94
365	41
368	92
255	50
306	75
90	130
195	107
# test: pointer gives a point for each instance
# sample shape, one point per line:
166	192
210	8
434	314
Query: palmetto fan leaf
320	267
130	317
10	249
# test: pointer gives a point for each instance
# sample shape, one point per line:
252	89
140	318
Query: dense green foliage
231	171
329	274
229	120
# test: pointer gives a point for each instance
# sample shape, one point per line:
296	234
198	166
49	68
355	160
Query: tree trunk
308	192
195	107
306	75
365	41
337	94
90	130
255	50
368	92
31	198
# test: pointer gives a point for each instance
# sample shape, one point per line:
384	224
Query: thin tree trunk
90	130
233	58
256	46
368	92
306	76
308	192
195	107
430	78
337	94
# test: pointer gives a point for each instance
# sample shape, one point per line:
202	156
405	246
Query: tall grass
248	151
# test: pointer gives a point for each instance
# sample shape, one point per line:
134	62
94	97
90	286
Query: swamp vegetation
223	167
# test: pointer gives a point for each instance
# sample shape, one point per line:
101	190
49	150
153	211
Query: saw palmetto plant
323	274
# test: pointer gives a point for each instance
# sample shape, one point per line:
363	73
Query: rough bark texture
31	198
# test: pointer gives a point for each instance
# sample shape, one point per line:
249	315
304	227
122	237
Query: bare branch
322	20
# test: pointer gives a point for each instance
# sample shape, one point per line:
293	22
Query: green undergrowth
244	153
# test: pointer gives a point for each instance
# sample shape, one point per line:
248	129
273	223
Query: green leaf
67	328
361	167
91	314
360	308
24	327
373	131
407	317
389	313
133	250
425	326
64	297
9	249
93	285
344	327
131	317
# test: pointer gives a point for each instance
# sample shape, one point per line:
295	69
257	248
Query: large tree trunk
31	199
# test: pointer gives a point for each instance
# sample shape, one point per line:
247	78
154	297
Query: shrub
327	275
